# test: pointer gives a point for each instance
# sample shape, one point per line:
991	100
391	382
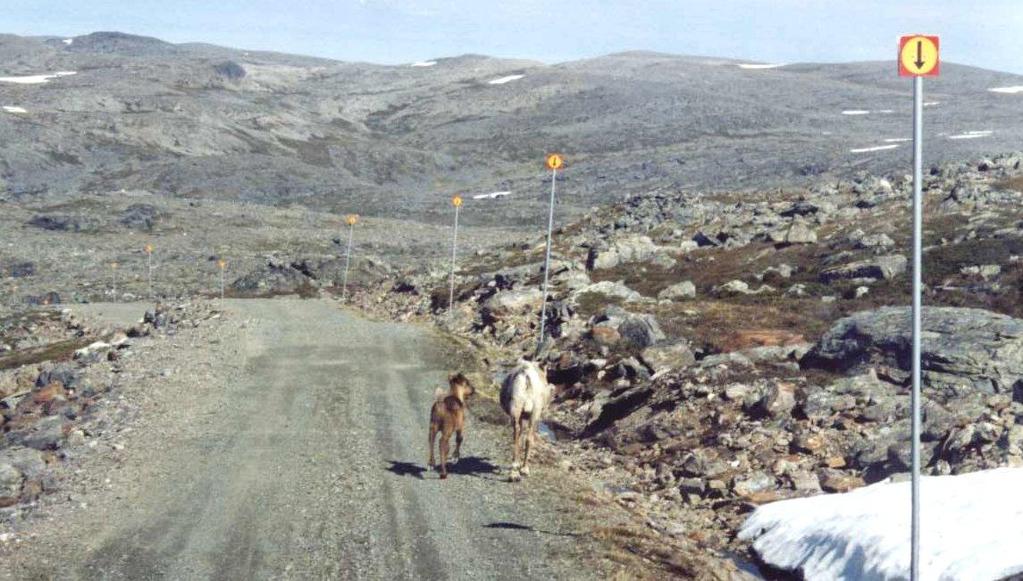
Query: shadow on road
467	466
406	469
511	526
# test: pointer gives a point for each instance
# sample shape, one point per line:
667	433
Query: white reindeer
525	395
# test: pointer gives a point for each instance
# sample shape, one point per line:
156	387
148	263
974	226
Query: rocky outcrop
960	347
884	267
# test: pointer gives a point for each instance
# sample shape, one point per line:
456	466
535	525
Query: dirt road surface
290	443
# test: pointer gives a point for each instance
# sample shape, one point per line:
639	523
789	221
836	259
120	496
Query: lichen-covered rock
961	347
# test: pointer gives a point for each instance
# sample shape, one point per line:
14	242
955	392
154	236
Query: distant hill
206	121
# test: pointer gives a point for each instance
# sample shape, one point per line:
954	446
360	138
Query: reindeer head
461	387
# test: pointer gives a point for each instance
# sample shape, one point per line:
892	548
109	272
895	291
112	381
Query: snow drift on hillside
759	66
970	530
504	80
13	109
874	148
36	79
1008	90
492	196
423	64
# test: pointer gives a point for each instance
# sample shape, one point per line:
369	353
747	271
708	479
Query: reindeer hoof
525	470
443	476
514	476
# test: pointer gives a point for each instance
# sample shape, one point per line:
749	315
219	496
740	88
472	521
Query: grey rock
682	290
883	267
671	356
961	347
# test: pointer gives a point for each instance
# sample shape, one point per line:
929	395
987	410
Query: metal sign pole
918	212
149	270
547	259
454	254
348	259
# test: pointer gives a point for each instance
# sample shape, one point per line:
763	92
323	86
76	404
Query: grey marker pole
348	260
454	254
918	212
547	261
149	270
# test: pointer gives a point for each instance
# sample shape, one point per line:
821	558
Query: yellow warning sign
554	161
456	201
149	248
918	56
222	264
352	219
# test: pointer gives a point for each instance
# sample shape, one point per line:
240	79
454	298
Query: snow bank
970	530
1009	90
492	196
36	79
10	109
423	64
898	139
972	134
504	80
931	103
874	148
855	112
68	41
759	66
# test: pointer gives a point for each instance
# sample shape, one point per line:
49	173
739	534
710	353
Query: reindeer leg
516	432
444	445
458	444
530	425
433	438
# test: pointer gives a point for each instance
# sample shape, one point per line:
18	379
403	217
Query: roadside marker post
457	203
918	58
149	268
352	220
222	265
554	163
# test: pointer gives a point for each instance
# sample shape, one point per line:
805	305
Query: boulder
800	233
882	267
670	356
514	300
10	484
641	331
960	347
682	290
610	289
738	287
623	250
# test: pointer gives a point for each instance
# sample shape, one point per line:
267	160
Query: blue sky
985	33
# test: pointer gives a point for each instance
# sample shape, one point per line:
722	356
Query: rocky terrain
197	121
714	352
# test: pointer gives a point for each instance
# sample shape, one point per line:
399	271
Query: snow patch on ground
1008	90
970	529
423	64
972	134
492	196
931	103
855	112
36	79
504	80
10	109
886	111
898	139
68	41
874	148
759	66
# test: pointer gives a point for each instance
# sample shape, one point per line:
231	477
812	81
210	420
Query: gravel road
290	442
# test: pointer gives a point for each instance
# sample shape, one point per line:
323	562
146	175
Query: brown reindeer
447	416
